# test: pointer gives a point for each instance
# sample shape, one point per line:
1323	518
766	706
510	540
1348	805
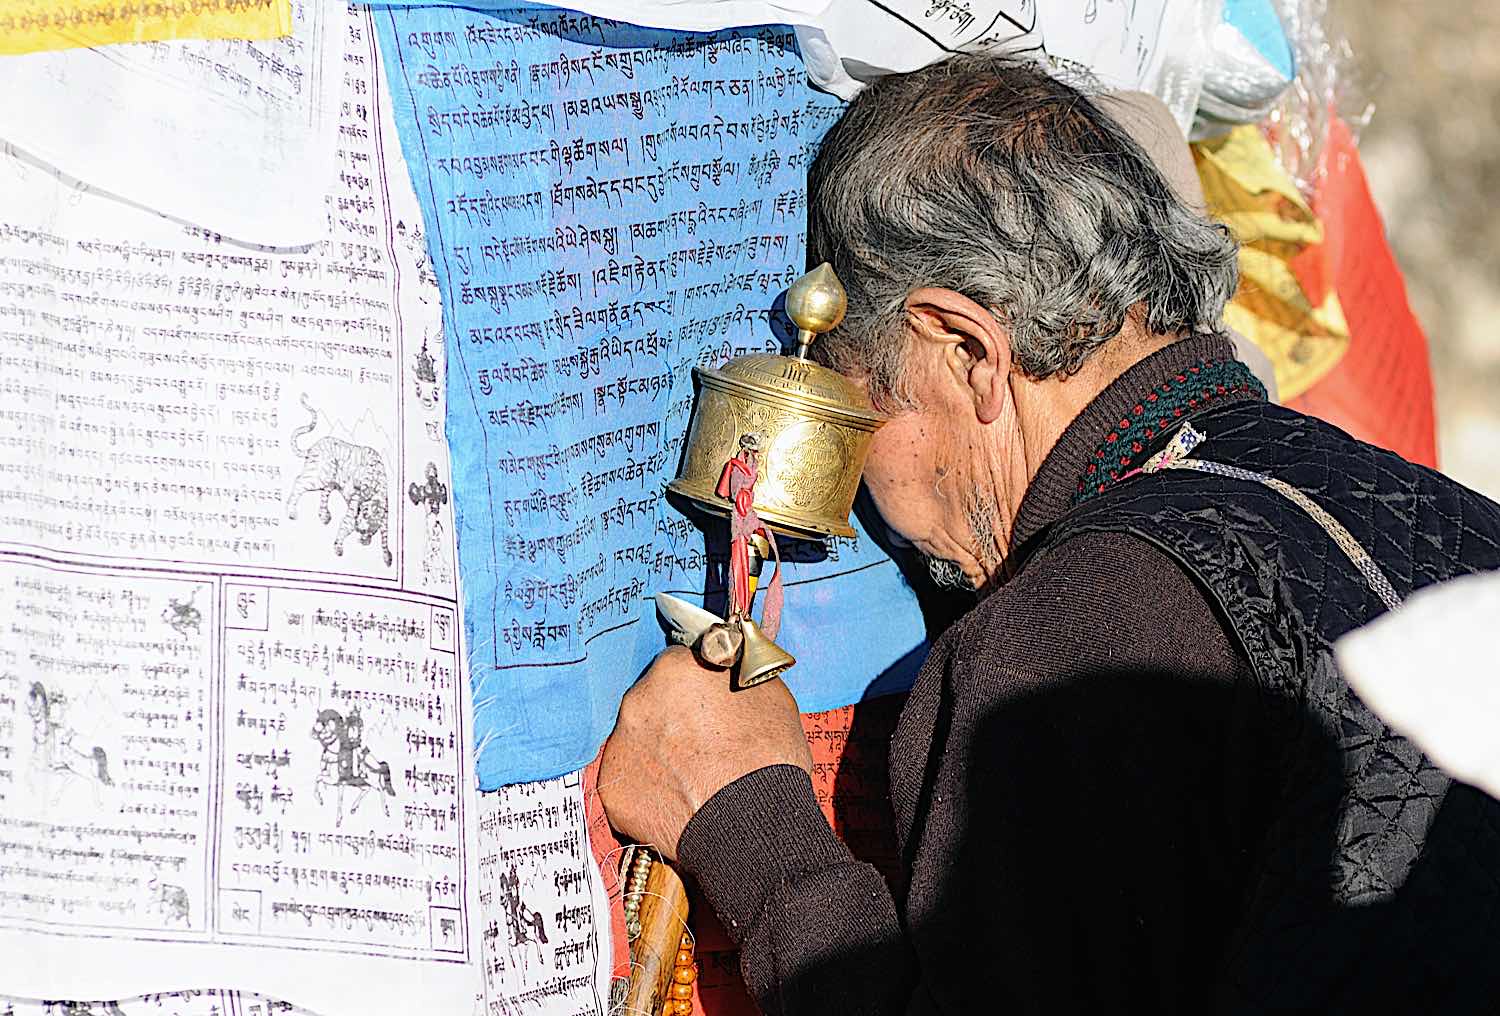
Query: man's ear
974	347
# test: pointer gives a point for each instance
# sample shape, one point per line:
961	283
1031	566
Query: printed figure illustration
436	571
55	745
416	246
171	901
527	930
182	617
434	493
346	762
428	391
355	471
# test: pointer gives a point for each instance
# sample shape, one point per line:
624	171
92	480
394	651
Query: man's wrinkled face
948	469
928	477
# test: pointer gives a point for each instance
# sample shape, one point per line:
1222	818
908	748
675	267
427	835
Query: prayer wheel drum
811	426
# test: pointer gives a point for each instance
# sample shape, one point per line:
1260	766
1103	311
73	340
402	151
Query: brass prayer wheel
812	426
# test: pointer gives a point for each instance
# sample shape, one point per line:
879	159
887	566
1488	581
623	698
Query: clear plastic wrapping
1326	86
1249	64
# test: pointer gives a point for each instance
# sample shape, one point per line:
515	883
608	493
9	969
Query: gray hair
986	176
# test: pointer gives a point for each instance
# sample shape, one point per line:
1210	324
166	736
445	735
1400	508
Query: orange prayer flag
1381	391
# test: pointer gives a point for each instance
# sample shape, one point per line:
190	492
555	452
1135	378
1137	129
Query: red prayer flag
1381	391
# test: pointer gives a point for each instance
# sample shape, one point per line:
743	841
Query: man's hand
681	736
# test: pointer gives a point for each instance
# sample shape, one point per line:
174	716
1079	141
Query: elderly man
1131	778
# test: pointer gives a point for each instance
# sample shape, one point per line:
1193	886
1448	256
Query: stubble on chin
946	574
985	546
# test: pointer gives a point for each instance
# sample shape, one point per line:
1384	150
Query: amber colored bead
686	943
683	975
684	1008
681	991
684	958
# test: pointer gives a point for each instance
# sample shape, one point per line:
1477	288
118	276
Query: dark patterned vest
1377	881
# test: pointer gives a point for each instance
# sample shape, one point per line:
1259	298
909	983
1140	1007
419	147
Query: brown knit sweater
1074	802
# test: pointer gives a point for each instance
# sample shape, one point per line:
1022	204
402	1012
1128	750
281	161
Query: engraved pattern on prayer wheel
812	425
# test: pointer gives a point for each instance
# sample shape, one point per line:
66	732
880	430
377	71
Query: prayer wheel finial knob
816	304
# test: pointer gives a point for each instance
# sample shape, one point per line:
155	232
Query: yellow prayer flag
1283	304
30	26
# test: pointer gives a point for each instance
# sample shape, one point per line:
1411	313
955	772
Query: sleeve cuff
753	836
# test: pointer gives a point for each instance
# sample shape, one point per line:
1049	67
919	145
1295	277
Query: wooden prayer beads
684	972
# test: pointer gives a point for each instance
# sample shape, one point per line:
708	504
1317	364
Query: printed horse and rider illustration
347	763
525	927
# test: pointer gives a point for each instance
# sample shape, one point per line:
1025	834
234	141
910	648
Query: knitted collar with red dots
1159	412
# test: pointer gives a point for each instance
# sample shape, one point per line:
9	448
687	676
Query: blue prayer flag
607	206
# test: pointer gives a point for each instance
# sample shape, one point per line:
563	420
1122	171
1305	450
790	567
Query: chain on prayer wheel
777	444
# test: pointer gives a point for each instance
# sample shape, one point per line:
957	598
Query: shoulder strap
1187	438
